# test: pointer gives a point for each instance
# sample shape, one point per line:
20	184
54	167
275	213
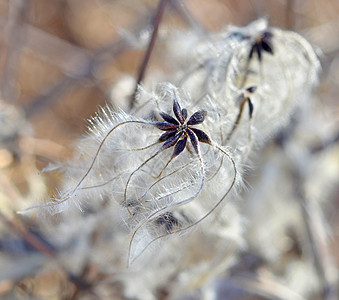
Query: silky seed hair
222	68
140	179
153	169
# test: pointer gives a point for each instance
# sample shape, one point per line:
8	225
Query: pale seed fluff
131	188
121	162
221	67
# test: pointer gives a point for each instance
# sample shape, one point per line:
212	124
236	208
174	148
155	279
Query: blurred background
61	59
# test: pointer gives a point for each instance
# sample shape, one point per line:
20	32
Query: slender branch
15	31
84	67
237	121
29	237
42	247
326	144
315	229
186	15
265	287
142	70
289	14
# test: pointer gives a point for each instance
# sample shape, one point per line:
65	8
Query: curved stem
237	121
162	178
144	148
222	160
117	176
161	210
244	80
189	74
195	223
177	191
163	169
142	70
73	191
131	175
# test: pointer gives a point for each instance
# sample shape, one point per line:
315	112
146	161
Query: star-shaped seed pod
262	43
244	98
178	130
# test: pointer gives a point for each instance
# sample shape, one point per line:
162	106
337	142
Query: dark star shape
246	97
168	221
178	130
262	43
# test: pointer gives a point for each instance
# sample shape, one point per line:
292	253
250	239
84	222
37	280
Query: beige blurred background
60	58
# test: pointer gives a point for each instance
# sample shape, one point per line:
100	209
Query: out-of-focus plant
151	199
136	167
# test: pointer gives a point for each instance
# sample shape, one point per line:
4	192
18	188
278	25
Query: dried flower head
223	66
121	162
262	43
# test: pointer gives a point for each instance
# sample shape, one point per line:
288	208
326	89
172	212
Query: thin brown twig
265	287
89	66
80	284
17	13
237	121
315	230
289	14
56	51
29	237
326	144
186	15
143	67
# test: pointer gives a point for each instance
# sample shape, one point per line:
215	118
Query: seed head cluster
148	176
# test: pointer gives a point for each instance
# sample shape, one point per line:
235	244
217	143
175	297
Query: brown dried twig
142	70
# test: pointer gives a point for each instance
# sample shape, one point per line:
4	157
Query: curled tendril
163	214
178	130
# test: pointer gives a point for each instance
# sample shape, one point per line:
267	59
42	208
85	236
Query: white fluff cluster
220	68
122	162
137	185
